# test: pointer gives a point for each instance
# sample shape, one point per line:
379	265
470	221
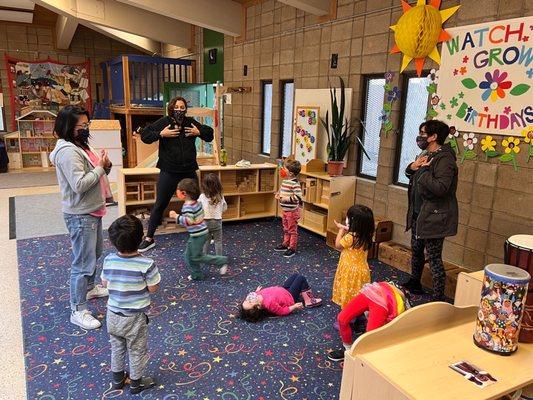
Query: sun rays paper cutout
419	30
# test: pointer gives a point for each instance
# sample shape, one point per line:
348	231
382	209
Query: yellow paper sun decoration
419	30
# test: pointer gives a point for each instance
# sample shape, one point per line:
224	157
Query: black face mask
179	116
83	136
422	142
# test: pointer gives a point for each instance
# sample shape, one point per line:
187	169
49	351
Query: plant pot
335	168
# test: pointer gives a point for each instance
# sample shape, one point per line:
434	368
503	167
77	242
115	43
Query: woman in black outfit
177	135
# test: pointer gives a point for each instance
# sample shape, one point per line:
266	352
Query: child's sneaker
280	247
413	286
138	385
336	355
310	300
289	253
84	319
119	380
223	270
189	278
97	291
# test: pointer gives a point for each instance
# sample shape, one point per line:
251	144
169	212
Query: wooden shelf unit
249	192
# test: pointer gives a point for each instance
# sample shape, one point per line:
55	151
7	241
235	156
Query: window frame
282	84
265	82
403	105
360	155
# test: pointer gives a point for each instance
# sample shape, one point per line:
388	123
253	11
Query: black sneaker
137	387
336	355
118	382
289	253
413	286
280	247
146	245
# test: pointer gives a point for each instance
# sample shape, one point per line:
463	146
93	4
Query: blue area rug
198	349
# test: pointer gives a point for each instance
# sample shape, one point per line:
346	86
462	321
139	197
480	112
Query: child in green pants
192	218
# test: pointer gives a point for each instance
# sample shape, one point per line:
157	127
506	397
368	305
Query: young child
384	301
192	218
278	300
130	279
214	205
290	197
353	240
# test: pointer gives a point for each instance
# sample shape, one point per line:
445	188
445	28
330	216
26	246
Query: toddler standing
214	205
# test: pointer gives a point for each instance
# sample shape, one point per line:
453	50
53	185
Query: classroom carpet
198	348
12	180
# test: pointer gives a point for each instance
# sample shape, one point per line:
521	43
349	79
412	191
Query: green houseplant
340	132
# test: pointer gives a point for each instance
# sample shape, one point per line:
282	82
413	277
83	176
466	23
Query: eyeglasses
84	126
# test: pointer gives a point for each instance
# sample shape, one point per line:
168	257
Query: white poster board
486	77
321	99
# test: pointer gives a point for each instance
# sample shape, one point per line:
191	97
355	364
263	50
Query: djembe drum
518	251
501	308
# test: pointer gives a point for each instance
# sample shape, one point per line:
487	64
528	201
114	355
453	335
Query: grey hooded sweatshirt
78	179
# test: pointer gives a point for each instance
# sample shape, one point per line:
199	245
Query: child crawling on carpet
383	301
278	300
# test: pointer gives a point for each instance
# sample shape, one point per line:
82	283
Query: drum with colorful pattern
501	309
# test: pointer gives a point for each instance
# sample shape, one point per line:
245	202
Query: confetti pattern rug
198	349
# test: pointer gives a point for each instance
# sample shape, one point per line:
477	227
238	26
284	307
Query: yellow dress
352	272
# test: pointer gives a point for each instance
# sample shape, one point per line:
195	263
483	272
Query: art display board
320	98
485	77
105	134
305	129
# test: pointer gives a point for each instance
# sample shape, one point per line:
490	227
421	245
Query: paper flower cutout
419	30
494	85
511	145
527	133
469	140
453	132
487	143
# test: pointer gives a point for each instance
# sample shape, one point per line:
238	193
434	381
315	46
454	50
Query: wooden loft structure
133	87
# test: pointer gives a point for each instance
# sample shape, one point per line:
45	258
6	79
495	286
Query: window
287	104
415	105
373	105
267	117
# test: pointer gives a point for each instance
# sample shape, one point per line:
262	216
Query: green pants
194	256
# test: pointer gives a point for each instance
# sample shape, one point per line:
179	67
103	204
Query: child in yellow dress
353	240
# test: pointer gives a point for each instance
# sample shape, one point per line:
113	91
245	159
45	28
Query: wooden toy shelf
249	192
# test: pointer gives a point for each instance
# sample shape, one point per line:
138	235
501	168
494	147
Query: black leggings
296	284
166	187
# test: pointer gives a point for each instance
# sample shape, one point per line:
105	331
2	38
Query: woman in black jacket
177	135
433	212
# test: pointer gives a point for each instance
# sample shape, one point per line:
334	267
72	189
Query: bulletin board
305	133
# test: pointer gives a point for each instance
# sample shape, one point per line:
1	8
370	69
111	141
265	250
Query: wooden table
409	358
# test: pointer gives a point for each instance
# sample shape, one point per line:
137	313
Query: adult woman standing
82	177
177	135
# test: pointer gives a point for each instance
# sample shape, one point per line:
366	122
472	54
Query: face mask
179	116
181	195
283	173
83	135
252	297
422	142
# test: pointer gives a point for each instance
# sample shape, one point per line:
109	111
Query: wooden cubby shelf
249	192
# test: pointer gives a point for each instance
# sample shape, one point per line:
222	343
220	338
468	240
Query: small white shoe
84	319
189	278
223	270
97	291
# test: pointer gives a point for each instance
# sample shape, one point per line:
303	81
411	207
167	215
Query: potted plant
340	133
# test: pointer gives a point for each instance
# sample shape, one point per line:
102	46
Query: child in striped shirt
192	218
290	199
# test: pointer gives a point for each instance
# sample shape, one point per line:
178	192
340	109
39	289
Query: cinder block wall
37	42
284	43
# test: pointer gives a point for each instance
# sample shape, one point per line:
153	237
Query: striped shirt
192	218
290	188
127	281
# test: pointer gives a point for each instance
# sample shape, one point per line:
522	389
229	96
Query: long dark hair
212	188
361	226
66	122
254	314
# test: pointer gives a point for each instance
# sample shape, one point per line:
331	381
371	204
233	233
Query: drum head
507	273
524	241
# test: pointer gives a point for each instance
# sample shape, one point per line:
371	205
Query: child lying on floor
383	301
278	300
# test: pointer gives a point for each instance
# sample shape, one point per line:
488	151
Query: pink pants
290	228
377	316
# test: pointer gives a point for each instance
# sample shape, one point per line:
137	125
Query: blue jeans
86	238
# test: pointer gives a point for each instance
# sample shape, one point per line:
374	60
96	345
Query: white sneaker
97	291
223	270
189	278
84	319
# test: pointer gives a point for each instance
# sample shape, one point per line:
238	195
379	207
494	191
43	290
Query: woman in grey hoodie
82	177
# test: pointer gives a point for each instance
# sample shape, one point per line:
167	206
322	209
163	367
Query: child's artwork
488	73
474	374
306	123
